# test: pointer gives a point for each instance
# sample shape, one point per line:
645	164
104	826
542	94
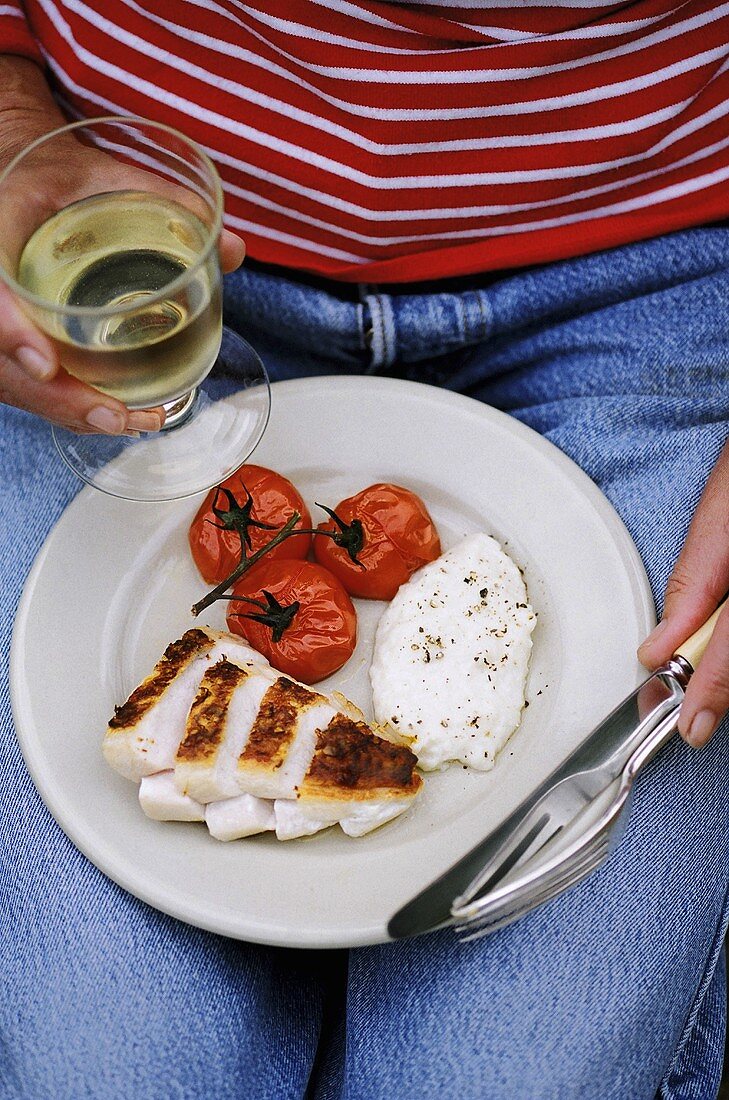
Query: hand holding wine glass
113	252
31	376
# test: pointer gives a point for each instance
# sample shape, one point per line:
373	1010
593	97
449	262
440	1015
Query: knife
586	773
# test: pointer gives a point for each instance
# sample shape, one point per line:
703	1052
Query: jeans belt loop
380	330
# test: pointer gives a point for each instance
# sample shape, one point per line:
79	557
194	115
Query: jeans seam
378	322
485	314
717	943
360	315
462	319
383	326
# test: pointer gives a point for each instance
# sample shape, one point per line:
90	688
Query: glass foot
203	441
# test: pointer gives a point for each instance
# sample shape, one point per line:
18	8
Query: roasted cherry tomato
253	503
381	536
301	620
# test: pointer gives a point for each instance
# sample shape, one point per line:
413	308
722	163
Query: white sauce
451	656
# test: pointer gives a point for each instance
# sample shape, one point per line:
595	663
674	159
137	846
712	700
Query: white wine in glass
111	233
114	255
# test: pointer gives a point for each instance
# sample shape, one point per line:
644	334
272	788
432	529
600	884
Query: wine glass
110	244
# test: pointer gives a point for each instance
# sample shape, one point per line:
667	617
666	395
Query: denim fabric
101	996
614	991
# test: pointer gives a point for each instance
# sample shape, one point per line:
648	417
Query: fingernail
654	635
106	420
34	364
145	421
702	727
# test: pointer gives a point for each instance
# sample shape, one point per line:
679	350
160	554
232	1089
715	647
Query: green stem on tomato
337	540
246	564
237	517
271	613
350	536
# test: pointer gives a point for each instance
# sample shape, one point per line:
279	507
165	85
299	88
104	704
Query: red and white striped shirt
381	141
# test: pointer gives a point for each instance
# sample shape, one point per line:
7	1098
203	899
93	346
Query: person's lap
596	994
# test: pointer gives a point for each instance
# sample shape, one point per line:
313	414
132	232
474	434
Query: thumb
232	250
700	578
32	378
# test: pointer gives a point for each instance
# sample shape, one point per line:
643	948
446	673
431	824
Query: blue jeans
617	989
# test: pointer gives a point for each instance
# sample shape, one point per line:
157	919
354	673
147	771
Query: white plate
113	585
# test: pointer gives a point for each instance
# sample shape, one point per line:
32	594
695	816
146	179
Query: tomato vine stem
245	564
350	536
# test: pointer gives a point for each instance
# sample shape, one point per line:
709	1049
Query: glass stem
177	412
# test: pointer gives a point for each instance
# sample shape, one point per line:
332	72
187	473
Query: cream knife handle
693	648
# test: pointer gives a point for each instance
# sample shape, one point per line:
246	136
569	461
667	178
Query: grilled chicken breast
282	740
216	734
217	729
355	778
143	735
244	815
161	800
291	821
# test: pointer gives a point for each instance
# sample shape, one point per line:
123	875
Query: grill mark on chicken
174	659
275	725
206	720
348	755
